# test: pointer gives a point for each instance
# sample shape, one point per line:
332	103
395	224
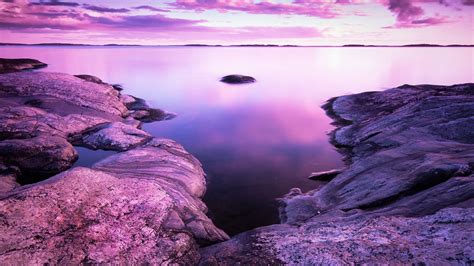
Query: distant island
235	45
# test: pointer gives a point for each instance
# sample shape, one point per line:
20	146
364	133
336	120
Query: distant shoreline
242	45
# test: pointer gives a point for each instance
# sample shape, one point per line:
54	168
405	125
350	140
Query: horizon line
239	45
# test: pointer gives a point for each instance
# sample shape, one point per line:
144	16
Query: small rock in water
237	79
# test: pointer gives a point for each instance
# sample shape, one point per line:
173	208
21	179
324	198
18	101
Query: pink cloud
23	17
322	10
418	23
404	9
150	8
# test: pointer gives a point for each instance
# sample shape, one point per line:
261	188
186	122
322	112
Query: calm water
255	141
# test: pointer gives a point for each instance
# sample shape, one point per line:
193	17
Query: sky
226	22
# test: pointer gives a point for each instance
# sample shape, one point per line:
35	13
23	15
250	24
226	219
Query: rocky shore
406	196
140	205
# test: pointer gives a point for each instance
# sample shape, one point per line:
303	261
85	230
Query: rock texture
115	136
406	196
18	64
237	79
43	113
140	206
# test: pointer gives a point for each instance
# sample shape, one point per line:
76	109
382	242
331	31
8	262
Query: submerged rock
237	79
407	195
18	64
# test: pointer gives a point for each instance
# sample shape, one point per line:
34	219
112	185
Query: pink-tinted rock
115	136
8	65
406	196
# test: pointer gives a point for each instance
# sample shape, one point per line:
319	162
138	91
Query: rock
325	175
7	183
73	90
117	87
15	65
90	78
8	179
179	173
406	196
237	79
433	239
140	206
151	115
88	216
61	108
41	155
115	136
140	110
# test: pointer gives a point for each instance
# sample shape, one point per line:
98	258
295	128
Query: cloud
102	9
404	9
418	23
141	22
150	8
322	10
21	15
410	15
54	3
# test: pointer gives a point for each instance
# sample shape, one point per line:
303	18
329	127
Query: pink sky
298	22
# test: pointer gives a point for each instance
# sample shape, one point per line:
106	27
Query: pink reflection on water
255	141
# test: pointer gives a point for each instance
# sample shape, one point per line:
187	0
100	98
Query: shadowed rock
237	79
90	78
407	195
41	155
15	65
140	110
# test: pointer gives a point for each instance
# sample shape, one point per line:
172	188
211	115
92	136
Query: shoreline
144	204
406	195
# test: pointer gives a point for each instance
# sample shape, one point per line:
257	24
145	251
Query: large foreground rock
140	206
407	195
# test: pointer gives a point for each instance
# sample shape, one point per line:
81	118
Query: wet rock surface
406	196
142	205
237	79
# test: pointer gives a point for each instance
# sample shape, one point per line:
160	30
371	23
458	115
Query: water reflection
255	141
